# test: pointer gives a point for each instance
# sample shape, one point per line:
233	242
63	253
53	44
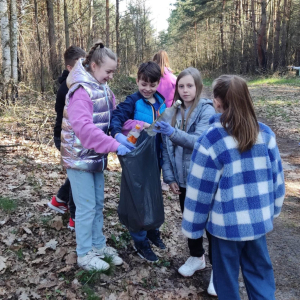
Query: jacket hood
63	76
202	102
79	75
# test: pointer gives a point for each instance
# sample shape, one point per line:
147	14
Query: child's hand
146	125
122	150
164	128
122	139
175	188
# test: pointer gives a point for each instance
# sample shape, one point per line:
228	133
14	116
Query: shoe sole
141	256
212	295
56	208
193	273
71	228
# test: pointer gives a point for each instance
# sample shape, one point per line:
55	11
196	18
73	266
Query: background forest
237	36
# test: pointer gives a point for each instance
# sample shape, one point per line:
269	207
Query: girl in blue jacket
179	137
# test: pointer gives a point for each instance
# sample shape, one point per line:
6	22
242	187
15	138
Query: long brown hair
162	59
199	85
239	117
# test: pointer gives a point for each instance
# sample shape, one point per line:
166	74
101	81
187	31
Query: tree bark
261	39
40	46
14	41
224	63
67	34
90	28
285	23
117	28
107	23
277	38
6	54
254	50
52	42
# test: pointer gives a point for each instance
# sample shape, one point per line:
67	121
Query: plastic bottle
166	116
134	134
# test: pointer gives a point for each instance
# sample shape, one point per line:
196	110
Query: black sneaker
144	251
154	237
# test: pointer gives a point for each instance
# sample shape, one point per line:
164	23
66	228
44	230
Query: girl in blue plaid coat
235	189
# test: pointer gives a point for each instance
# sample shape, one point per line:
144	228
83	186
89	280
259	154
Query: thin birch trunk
6	56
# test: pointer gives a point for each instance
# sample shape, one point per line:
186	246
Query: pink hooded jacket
166	86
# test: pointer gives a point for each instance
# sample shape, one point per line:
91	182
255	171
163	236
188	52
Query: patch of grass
149	282
45	220
8	205
90	294
20	254
122	241
275	81
93	276
163	263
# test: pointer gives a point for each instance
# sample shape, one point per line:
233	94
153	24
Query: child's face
106	71
147	89
187	89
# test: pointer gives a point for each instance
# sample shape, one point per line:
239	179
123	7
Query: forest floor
37	251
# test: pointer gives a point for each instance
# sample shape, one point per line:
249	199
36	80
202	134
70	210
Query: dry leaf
41	250
10	239
24	296
27	230
57	223
2	263
51	244
71	258
4	221
34	295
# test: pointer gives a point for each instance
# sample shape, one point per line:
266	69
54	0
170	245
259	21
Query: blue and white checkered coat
234	195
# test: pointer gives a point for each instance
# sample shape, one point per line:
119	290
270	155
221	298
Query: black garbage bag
141	202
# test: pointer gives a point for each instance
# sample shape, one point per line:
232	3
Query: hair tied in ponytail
100	44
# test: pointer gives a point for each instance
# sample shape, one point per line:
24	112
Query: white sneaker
192	265
110	251
92	261
211	288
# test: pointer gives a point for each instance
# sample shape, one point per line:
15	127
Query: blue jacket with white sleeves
234	195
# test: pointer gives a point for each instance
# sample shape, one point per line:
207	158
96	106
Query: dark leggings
195	245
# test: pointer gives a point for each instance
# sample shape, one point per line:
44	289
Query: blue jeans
88	194
255	262
140	235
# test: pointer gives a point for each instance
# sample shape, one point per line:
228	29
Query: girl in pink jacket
167	82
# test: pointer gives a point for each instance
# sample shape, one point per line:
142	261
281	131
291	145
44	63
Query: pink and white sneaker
58	205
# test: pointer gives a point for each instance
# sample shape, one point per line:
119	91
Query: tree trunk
261	39
52	42
14	41
14	48
254	55
40	46
285	21
224	62
67	34
117	28
276	40
6	56
107	23
90	28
